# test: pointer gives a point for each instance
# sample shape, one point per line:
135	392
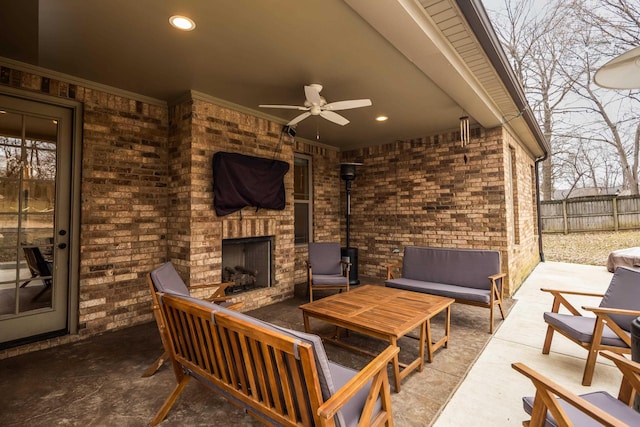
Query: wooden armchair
556	406
166	279
611	326
325	268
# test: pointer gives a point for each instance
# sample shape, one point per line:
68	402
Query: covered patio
138	112
97	381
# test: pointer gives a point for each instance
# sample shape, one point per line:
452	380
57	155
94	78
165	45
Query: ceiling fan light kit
316	105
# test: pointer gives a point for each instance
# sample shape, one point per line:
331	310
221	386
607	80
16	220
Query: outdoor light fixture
182	22
464	130
622	72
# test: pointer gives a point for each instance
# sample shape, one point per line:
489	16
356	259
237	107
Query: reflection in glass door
33	229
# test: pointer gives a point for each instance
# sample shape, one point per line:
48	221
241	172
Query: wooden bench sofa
278	375
470	276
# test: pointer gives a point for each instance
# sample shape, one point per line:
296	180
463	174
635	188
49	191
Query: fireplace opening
247	263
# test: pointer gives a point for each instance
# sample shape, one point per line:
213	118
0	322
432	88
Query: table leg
305	317
447	327
423	338
429	340
396	365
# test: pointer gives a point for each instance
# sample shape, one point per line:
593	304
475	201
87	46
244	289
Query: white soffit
434	36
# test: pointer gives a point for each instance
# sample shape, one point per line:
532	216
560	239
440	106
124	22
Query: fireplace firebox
247	263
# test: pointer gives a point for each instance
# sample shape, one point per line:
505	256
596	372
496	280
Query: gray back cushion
462	267
325	258
166	279
624	293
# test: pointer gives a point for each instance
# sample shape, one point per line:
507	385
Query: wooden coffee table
384	313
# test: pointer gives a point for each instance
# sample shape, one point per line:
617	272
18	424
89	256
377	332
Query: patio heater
348	174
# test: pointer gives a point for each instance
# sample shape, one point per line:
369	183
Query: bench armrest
495	277
545	399
376	370
630	376
567	292
560	300
390	266
218	292
605	310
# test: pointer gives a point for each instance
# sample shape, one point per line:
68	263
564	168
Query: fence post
564	216
615	213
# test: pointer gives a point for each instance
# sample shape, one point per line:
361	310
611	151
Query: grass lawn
587	248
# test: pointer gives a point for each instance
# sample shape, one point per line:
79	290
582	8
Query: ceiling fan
316	105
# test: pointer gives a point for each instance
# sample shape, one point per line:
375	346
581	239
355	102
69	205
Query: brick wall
434	192
523	251
123	203
147	198
210	128
123	209
327	211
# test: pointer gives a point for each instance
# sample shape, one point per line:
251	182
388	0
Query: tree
555	51
609	29
537	42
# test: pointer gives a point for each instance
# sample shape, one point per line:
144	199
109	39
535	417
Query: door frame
76	108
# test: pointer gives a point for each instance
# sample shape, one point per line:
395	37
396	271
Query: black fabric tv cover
240	181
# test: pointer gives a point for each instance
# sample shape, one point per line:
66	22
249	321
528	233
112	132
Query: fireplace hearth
247	263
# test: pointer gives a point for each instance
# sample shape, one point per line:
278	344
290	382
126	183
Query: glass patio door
35	147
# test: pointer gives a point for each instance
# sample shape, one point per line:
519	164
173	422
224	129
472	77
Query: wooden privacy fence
601	213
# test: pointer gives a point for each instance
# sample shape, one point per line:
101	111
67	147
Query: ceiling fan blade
312	94
334	117
298	119
288	107
346	105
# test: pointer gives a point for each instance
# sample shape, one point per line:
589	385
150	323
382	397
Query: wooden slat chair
40	269
279	376
611	326
166	279
554	405
325	268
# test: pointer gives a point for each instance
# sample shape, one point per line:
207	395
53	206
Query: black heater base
351	255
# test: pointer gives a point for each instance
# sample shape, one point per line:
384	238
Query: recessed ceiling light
182	22
382	118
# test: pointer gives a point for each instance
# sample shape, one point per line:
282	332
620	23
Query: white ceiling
251	52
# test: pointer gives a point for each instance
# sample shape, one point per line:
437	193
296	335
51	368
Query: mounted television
240	181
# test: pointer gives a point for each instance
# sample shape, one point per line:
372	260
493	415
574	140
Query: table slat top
378	308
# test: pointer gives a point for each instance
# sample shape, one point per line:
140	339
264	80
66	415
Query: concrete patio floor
490	395
97	381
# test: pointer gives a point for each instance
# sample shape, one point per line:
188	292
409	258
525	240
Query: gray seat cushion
326	279
441	289
581	328
601	399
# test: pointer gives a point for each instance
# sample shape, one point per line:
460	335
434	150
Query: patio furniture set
283	377
608	333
